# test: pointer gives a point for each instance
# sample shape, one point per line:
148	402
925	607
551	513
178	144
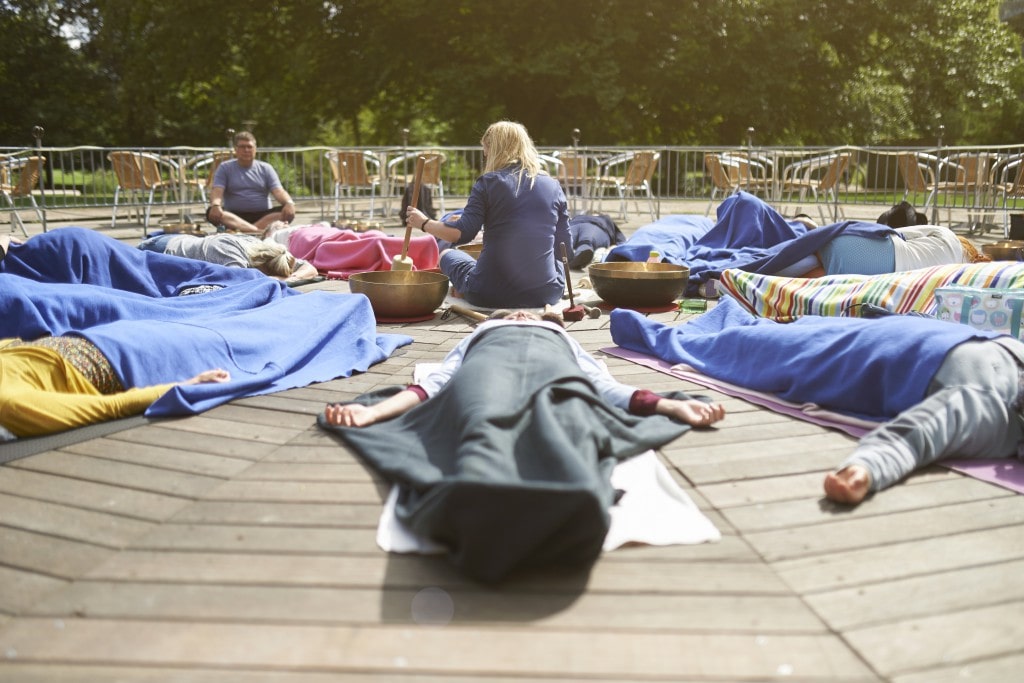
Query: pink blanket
343	252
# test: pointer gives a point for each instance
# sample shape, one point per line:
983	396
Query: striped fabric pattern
785	299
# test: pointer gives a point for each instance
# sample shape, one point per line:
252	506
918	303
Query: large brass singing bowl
401	293
1007	250
631	284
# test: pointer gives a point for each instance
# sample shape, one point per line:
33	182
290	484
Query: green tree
44	79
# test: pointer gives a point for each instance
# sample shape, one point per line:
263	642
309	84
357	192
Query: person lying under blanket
504	453
57	383
942	390
75	255
234	251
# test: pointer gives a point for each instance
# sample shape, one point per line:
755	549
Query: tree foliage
622	71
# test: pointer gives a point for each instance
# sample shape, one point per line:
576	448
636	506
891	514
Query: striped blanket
785	299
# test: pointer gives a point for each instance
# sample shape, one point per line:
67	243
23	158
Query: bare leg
848	485
233	222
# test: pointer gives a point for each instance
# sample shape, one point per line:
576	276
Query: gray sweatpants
972	410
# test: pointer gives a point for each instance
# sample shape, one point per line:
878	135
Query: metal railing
957	186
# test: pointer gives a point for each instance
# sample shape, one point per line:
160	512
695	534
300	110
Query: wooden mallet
403	262
574	313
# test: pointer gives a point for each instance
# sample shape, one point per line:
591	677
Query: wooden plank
241	538
104	471
844	532
98	528
86	494
260	433
48	555
326	452
995	669
162	434
19	589
160	456
311	472
921	596
283	514
761	465
746	451
936	486
677	613
886	563
963	636
401	650
59	673
396	571
300	491
247	415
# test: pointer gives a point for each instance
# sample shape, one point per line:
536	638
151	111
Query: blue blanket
268	336
873	368
80	255
748	235
266	339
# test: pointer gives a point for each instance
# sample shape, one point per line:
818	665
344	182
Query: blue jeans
157	243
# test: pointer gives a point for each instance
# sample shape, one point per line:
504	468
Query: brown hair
971	253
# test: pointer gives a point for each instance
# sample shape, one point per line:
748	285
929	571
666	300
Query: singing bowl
1007	250
472	249
638	285
401	293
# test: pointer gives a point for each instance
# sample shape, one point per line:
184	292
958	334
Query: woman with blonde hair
234	250
526	218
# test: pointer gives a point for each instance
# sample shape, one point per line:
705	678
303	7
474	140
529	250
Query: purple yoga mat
1005	472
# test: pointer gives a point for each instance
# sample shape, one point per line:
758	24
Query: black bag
425	204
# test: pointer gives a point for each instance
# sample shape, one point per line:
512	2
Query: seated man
241	186
504	453
942	390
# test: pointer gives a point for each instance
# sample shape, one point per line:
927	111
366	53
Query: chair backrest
28	178
574	167
128	169
834	172
216	160
913	172
351	169
641	168
720	178
432	167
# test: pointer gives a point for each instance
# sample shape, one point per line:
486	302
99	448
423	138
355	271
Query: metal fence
972	187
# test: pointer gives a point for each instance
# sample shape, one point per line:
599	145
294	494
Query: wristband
423	225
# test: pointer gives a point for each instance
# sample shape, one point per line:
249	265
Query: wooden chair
1013	167
576	179
29	170
639	171
919	177
351	171
141	173
208	164
818	175
400	172
723	181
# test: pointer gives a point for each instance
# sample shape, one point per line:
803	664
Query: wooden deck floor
239	545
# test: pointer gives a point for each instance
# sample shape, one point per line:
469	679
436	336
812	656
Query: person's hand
210	377
350	415
692	411
415	217
288	213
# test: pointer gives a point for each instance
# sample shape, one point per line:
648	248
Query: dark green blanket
508	465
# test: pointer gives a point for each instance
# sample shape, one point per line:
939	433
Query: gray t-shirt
227	250
246	189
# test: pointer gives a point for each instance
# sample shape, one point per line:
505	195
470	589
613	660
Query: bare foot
849	485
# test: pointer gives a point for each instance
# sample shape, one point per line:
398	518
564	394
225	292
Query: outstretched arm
691	411
358	415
